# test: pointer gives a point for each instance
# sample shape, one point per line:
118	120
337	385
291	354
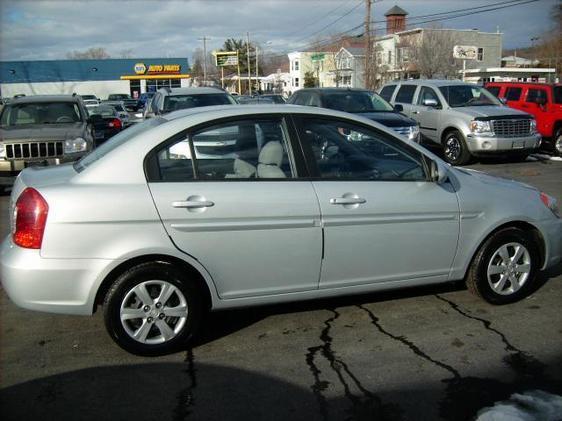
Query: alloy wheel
452	149
509	268
153	312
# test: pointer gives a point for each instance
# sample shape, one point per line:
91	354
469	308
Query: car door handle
191	204
347	201
415	112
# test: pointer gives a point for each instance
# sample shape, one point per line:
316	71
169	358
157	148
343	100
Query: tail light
30	218
115	123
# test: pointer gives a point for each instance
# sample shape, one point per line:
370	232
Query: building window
296	65
296	82
347	80
389	57
480	54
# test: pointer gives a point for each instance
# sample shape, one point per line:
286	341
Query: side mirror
399	107
429	102
438	172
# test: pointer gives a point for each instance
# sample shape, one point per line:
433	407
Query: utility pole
248	60
257	67
367	73
204	39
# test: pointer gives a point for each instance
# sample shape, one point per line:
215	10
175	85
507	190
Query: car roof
191	91
430	82
44	98
333	90
524	83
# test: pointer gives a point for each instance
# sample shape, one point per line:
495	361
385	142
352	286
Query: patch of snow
529	406
556	158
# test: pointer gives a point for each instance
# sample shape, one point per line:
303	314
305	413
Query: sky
45	30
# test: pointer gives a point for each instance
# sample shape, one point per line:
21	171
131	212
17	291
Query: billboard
226	58
465	52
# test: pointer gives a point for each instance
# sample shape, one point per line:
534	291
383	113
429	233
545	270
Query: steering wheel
64	119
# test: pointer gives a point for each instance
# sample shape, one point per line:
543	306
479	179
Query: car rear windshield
103	110
180	102
115	141
40	113
119	96
468	96
557	91
356	102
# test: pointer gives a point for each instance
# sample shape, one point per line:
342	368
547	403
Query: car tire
143	325
455	150
557	143
505	267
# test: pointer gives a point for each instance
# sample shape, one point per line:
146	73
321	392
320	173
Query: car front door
383	220
228	195
425	111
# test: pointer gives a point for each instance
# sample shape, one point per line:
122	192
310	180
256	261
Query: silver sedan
222	207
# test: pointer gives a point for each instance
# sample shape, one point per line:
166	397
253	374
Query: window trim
310	160
294	152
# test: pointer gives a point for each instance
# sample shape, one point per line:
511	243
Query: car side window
300	99
405	94
427	93
387	92
534	95
512	94
494	90
243	149
343	150
313	100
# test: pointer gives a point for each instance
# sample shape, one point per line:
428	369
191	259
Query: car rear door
228	195
383	220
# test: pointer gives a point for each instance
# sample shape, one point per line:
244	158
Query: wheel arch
196	275
522	225
448	130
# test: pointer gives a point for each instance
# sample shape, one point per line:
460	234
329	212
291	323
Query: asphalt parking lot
425	353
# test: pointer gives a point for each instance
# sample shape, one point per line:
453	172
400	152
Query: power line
317	20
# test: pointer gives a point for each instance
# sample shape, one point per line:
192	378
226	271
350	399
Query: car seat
270	159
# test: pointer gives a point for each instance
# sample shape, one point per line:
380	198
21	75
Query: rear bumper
65	286
483	145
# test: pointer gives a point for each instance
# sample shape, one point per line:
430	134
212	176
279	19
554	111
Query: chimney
395	20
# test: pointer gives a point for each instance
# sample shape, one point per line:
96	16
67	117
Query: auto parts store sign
154	69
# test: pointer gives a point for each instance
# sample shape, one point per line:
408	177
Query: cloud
32	30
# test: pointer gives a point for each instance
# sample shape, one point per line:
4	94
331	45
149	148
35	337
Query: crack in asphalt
362	407
413	347
520	361
185	396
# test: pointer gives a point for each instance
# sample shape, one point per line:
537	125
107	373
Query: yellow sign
140	69
164	68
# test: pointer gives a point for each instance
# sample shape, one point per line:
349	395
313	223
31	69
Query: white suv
466	119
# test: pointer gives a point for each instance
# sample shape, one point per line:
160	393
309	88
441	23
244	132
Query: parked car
130	103
278	99
106	122
90	100
361	102
42	130
465	119
144	99
121	110
306	203
542	100
256	99
172	99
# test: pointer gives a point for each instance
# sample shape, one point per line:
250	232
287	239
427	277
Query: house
349	70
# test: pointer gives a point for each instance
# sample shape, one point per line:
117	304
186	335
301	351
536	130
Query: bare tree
90	53
126	53
429	53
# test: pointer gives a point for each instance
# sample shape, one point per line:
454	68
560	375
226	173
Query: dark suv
362	102
42	130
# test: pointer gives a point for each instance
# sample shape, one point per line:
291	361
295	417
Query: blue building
96	77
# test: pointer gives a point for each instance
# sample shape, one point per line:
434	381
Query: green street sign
317	57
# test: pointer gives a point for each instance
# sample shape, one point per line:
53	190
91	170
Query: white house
349	67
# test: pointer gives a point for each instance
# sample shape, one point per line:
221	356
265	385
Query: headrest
271	154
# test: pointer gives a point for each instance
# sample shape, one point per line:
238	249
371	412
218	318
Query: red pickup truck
542	100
